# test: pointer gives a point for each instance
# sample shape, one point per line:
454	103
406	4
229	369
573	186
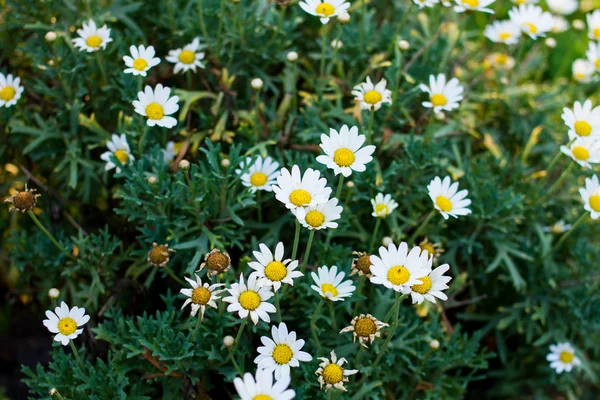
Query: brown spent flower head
159	255
23	201
435	250
361	264
217	262
366	328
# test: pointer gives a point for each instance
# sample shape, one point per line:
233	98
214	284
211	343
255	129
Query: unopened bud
256	83
152	180
228	341
387	241
50	36
343	18
403	45
434	344
225	163
184	164
54	293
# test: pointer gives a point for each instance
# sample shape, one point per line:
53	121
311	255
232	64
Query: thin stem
49	235
558	182
101	67
277	306
338	192
294	88
141	141
357	295
313	324
553	162
308	246
296	240
392	331
357	359
375	232
196	328
363	18
370	131
256	114
565	235
259	206
235	345
170	272
421	227
220	27
76	355
202	22
323	56
57	394
235	364
332	314
330	395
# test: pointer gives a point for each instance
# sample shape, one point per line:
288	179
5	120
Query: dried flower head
361	264
23	201
332	374
366	328
434	250
217	262
159	255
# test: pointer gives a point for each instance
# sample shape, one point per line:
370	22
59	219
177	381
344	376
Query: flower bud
53	293
387	241
256	83
349	184
152	180
52	392
551	42
403	45
228	341
434	344
337	44
579	24
184	164
50	36
343	18
225	163
292	56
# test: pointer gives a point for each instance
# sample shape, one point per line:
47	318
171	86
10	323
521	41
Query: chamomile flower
273	267
295	190
169	152
519	2
10	90
325	9
332	373
503	32
563	7
560	25
446	198
383	205
593	23
562	357
558	227
200	295
262	387
583	70
118	148
92	38
320	216
281	352
187	58
583	120
216	262
361	264
432	285
591	196
366	328
425	3
159	255
593	54
585	151
157	106
501	61
343	152
398	269
473	5
258	175
141	60
532	20
65	322
433	250
442	95
329	285
251	299
370	96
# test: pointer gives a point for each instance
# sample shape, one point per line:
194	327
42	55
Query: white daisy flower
157	106
325	10
320	216
281	352
260	174
582	120
119	148
92	38
141	60
503	32
187	58
343	152
433	284
10	90
560	25
370	96
563	7
383	205
562	357
519	2
169	152
585	151
532	20
591	196
64	322
295	190
398	269
328	283
201	295
473	5
593	23
262	387
251	299
332	374
273	267
583	70
558	227
425	3
442	95
446	199
593	54
501	60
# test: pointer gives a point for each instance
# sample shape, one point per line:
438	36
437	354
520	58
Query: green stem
235	345
370	131
363	19
559	181
308	246
565	235
357	359
375	232
76	355
277	306
357	295
338	192
57	394
49	235
323	56
235	364
256	114
296	240
220	27
141	141
202	22
294	89
313	324
553	162
392	331
196	328
172	275
421	227
100	63
259	206
332	314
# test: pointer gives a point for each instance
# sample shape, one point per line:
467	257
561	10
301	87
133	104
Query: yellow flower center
597	63
250	300
122	156
67	326
398	275
372	97
333	374
438	99
597	32
580	153
200	295
158	255
582	128
187	56
140	64
519	2
7	93
443	203
155	111
24	200
258	179
595	202
381	209
579	75
471	3
262	397
365	327
329	288
504	35
532	28
424	287
343	157
300	197
275	271
93	41
315	218
501	59
363	264
566	357
217	262
282	354
325	9
428	247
